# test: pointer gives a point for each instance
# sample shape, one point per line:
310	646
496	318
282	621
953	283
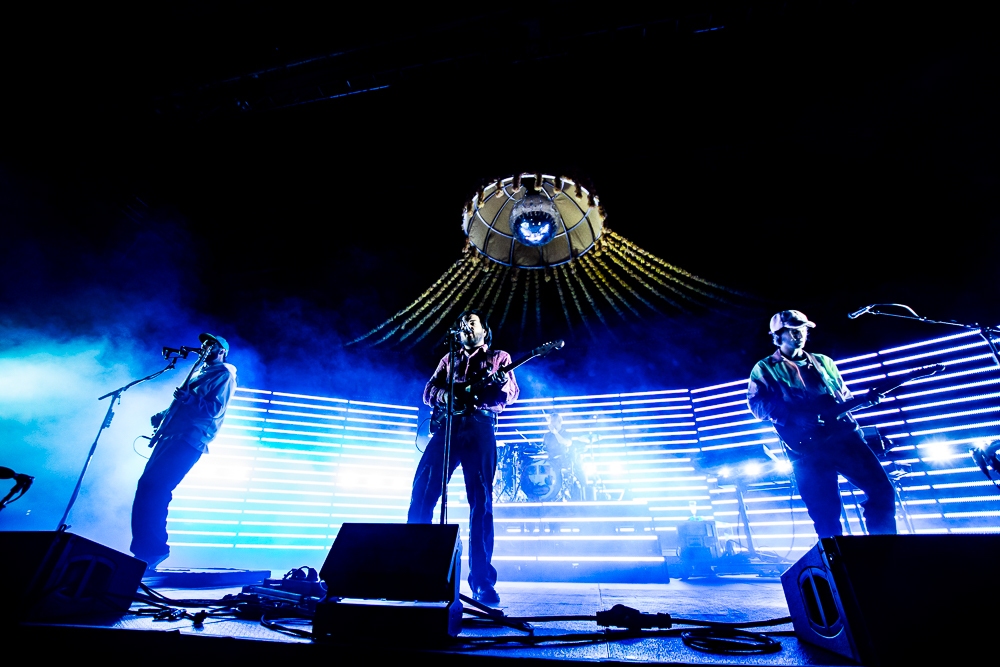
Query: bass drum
540	480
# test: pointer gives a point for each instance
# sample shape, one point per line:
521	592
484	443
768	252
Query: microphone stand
987	333
452	336
115	396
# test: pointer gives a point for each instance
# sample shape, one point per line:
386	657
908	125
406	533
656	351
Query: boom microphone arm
988	333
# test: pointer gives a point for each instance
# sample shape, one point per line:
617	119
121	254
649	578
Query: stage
718	599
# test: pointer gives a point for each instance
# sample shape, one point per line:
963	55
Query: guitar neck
514	364
880	390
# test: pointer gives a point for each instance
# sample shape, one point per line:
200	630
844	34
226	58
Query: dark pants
816	478
474	446
172	459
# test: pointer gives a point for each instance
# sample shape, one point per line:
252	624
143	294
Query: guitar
832	417
158	427
468	393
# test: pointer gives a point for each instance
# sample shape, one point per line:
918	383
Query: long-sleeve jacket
779	387
198	421
479	363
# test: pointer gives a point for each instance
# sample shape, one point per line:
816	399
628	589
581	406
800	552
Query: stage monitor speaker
58	576
893	599
387	579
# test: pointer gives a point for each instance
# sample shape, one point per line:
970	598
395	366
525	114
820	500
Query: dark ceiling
265	163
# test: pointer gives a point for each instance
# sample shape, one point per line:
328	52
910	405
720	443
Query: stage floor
726	598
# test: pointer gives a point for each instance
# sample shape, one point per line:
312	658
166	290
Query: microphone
183	351
858	313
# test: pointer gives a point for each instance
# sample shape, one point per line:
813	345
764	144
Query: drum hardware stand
744	518
115	395
508	471
896	477
988	334
857	510
569	482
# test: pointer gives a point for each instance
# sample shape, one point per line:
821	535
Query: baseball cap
790	319
215	339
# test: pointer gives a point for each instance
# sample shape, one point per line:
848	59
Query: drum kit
527	473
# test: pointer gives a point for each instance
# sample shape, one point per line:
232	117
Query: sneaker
486	594
152	563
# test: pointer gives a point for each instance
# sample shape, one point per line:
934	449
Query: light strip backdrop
289	469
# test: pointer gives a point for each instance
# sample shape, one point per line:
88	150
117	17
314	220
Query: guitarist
473	445
183	433
791	388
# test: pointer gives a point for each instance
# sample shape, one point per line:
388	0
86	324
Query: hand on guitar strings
156	419
873	397
806	419
183	395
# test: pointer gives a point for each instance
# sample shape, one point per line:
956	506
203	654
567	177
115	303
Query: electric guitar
158	428
832	418
468	393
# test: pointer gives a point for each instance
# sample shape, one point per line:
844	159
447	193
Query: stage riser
582	572
644	548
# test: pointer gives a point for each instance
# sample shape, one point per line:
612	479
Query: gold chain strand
454	267
600	287
446	299
538	302
423	306
562	299
676	269
496	295
642	269
611	288
481	278
510	297
631	274
586	294
445	312
576	302
453	284
624	247
527	293
449	305
626	252
461	276
626	287
486	295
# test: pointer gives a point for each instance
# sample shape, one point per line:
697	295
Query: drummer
557	442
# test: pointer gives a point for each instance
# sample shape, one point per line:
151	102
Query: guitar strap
828	381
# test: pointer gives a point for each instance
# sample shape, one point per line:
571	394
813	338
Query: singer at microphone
473	444
184	431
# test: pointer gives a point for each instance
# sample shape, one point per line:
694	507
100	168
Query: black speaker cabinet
54	576
894	599
387	579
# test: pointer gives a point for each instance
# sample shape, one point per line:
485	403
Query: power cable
729	641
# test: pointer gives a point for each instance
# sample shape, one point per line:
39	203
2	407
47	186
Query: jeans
816	478
474	447
171	460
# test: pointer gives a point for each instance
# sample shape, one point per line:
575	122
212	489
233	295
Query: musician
184	431
473	445
790	388
557	441
558	444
